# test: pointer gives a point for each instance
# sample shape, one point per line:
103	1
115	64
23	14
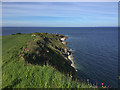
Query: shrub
18	33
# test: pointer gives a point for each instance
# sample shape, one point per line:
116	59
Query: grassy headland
37	60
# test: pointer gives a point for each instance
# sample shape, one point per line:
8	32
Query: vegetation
37	61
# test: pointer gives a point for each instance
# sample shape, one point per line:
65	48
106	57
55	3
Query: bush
18	33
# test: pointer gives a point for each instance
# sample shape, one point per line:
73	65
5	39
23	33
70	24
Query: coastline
68	52
43	54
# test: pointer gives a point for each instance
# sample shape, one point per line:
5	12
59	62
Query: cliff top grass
37	60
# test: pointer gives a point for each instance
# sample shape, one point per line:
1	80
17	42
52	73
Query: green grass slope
36	61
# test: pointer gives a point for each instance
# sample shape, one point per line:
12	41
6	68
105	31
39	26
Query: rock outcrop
68	53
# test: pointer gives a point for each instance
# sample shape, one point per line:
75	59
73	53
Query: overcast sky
60	14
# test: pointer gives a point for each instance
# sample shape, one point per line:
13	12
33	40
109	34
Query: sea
95	50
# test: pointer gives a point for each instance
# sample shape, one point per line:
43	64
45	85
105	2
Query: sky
60	14
60	0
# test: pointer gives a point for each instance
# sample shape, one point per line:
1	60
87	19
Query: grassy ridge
18	73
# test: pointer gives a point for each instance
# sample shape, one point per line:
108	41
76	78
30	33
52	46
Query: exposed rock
70	58
68	53
63	39
64	43
65	50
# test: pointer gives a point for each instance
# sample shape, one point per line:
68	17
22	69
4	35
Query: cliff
49	49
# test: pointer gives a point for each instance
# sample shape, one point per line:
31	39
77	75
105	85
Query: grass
17	73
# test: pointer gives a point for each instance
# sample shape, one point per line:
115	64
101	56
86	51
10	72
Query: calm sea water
96	50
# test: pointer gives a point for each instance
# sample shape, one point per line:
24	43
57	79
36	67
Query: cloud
56	9
60	0
58	12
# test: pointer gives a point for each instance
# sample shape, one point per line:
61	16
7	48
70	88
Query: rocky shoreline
68	52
